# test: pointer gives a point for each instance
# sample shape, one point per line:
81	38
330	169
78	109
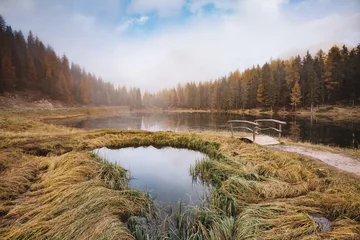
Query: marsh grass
77	197
53	187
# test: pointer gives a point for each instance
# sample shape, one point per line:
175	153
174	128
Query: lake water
321	130
164	173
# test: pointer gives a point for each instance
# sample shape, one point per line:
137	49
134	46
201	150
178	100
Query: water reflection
294	131
164	173
322	129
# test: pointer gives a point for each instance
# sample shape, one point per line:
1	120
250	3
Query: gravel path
336	160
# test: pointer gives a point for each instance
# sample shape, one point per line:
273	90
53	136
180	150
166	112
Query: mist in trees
332	78
325	78
27	64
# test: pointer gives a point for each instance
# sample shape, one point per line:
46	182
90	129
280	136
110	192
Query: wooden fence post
280	130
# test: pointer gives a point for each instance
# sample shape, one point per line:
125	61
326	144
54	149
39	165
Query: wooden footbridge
256	127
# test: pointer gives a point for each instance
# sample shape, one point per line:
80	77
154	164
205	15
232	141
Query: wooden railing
254	127
279	129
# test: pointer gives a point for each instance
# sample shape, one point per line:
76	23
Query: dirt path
336	160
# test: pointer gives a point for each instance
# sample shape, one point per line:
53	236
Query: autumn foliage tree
29	65
295	96
332	78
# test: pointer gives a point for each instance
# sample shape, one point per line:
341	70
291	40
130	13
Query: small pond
164	173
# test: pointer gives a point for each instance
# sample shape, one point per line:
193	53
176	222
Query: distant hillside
30	65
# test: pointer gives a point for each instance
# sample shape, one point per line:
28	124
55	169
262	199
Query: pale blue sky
155	44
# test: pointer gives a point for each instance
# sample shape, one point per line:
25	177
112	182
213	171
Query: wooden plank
263	140
269	128
243	121
270	120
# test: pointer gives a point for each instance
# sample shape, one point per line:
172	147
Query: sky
155	44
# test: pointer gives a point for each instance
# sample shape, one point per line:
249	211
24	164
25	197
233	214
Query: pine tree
281	89
213	95
292	74
311	82
2	24
357	73
68	82
295	95
269	86
313	85
333	74
84	91
8	73
253	88
319	68
180	95
138	99
260	92
234	93
31	71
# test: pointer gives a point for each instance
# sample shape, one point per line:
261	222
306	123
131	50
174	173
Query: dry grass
52	187
74	198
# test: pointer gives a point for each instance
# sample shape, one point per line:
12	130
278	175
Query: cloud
129	22
239	34
163	8
22	5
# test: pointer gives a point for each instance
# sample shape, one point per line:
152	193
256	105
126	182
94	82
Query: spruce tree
295	96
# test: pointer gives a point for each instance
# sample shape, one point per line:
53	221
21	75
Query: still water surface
164	173
310	129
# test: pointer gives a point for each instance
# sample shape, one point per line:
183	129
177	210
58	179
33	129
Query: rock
324	222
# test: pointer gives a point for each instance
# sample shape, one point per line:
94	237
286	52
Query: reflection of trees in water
295	131
154	122
212	120
163	122
315	129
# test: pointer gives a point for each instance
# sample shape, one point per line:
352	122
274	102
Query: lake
319	130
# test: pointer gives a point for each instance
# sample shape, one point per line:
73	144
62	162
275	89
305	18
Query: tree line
326	78
30	65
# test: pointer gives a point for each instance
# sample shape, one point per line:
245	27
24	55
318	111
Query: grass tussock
16	174
275	221
52	188
71	200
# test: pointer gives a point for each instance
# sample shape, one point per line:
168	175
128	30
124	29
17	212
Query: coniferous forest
326	78
30	65
331	77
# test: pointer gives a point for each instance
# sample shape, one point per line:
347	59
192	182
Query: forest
326	78
30	65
